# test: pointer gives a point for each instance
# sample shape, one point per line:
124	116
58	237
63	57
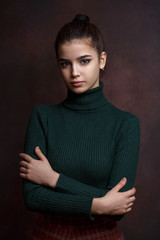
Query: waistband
75	220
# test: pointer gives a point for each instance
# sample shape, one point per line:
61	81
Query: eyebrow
81	57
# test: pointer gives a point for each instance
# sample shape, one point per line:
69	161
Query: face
80	65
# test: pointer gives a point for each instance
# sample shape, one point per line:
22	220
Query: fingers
26	157
131	199
22	175
23	164
120	185
131	192
128	210
40	154
23	170
129	206
29	158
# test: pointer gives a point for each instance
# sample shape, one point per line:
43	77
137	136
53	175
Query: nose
74	71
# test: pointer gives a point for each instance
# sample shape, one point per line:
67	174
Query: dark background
29	76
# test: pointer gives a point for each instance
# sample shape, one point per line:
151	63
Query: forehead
76	48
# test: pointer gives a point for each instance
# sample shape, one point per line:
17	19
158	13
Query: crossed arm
45	190
40	172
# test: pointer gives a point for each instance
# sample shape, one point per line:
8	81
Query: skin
80	66
80	70
39	172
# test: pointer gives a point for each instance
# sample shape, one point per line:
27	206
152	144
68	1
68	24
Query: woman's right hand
114	202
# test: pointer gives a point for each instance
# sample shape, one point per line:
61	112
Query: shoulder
45	108
122	115
126	125
38	111
123	121
45	111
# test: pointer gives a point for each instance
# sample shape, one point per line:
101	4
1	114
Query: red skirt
53	227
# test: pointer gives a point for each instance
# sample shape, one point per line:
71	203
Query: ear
102	62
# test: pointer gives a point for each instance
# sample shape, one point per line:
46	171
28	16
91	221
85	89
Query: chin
79	90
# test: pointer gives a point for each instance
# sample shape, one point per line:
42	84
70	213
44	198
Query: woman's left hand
38	171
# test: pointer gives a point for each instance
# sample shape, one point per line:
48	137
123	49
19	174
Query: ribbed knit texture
91	143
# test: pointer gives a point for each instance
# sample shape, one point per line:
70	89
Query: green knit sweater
91	143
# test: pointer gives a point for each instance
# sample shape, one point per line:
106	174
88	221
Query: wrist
97	208
53	179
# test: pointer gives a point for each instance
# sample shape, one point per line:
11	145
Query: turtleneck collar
92	99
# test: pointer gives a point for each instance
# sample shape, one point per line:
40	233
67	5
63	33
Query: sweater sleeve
126	157
126	154
69	185
40	198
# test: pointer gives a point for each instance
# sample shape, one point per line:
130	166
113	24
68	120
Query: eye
64	64
85	61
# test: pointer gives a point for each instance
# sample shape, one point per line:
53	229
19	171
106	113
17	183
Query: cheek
93	70
64	74
97	68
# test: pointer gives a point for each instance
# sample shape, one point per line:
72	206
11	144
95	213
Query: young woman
87	149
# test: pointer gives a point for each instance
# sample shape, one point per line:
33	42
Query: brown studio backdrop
29	76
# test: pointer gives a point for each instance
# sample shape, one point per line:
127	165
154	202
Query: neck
89	100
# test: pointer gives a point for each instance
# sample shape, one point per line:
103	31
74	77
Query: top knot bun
81	17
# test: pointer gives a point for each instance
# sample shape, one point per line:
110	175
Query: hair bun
81	17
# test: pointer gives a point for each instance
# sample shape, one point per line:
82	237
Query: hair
80	28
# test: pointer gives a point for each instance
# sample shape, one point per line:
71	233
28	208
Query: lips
77	83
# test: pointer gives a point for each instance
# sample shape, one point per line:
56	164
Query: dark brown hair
80	28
